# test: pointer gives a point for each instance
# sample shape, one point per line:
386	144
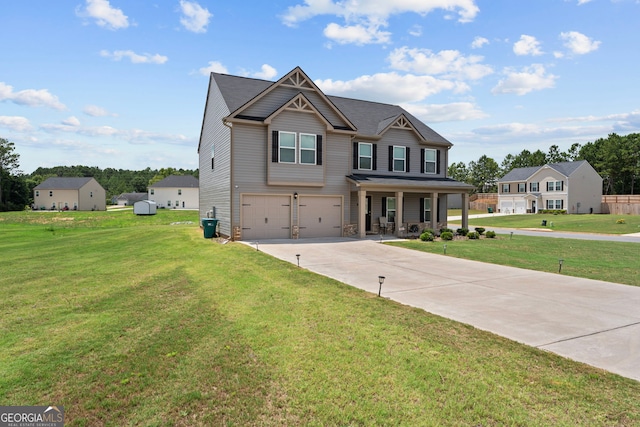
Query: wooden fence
621	205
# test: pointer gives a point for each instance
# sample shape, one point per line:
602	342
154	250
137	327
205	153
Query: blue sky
123	83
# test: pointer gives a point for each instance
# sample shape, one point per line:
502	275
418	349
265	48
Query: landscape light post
298	256
445	249
560	261
380	281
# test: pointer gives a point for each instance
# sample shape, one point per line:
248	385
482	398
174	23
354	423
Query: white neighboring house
176	192
572	186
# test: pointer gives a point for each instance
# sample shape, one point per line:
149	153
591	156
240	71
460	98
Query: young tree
9	163
484	174
458	171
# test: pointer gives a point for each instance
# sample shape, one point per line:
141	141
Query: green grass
458	212
131	323
617	262
604	224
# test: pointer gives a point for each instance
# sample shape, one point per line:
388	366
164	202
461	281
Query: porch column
465	210
399	213
434	212
362	213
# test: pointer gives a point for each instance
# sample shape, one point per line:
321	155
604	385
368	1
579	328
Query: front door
367	210
533	206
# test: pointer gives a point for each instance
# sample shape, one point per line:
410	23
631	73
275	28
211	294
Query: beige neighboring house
73	193
176	192
575	187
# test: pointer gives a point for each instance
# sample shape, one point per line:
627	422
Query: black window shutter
438	162
319	150
561	204
384	206
355	156
437	213
274	146
408	158
390	158
529	187
561	185
421	162
421	209
375	156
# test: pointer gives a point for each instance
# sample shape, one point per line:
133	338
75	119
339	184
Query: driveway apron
590	321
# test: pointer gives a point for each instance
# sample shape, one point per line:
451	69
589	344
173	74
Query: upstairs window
430	160
506	188
522	187
287	147
37	193
179	192
212	155
152	192
534	187
51	193
365	156
554	186
399	159
307	149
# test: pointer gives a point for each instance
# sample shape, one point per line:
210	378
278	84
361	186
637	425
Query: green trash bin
490	210
209	225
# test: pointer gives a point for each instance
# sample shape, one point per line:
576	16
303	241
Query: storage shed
144	207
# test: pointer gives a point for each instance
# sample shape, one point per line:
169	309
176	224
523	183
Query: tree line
16	188
616	158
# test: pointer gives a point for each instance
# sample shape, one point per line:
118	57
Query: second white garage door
320	216
266	217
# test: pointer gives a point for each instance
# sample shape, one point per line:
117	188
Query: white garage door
320	216
521	207
266	217
506	207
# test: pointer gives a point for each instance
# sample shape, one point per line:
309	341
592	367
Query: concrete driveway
590	321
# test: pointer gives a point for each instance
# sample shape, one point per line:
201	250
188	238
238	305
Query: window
391	209
533	187
307	149
506	188
177	203
151	190
287	147
554	186
427	209
212	155
90	193
522	187
50	193
554	204
37	193
365	156
399	159
179	192
430	159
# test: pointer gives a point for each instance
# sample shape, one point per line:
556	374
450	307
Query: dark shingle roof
63	183
133	197
522	174
177	181
368	117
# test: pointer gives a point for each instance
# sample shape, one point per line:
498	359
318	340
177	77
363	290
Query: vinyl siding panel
584	186
91	197
215	185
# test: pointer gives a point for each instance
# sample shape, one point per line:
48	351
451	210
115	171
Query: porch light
298	256
560	261
295	195
380	281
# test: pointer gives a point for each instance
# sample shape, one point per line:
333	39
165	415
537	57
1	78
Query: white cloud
415	31
578	43
195	18
213	67
478	42
15	123
30	97
95	111
105	15
133	136
390	87
581	2
145	58
356	34
456	111
527	45
529	79
267	72
448	63
71	121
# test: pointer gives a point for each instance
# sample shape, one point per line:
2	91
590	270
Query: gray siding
215	185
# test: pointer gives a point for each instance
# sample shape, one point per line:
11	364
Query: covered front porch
403	207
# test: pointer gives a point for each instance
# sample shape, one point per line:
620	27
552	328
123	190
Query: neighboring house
572	186
82	194
175	192
284	160
129	199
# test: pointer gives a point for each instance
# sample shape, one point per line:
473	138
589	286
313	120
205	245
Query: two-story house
283	160
175	192
70	193
574	187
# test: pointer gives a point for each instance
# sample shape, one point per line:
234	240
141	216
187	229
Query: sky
123	83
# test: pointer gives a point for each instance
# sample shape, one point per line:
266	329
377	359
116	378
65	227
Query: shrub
445	230
480	230
490	234
427	236
429	230
446	235
621	221
462	231
473	235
